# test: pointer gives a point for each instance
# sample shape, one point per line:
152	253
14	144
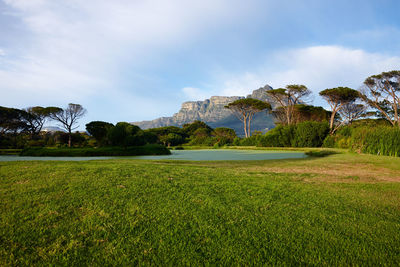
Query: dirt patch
339	172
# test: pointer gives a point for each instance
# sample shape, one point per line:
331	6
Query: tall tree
244	109
12	120
382	92
99	130
338	97
286	99
68	118
36	117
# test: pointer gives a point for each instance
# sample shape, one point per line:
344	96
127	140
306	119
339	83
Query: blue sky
128	60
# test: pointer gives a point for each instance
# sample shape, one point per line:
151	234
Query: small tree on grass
244	109
68	118
337	98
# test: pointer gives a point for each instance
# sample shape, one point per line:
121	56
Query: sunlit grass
118	212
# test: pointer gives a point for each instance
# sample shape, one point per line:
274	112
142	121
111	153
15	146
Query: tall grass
378	140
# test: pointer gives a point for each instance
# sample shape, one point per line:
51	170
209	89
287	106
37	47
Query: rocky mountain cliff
213	112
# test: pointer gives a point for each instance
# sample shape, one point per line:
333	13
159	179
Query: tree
36	117
224	135
382	92
287	98
171	139
124	134
352	111
190	128
304	113
337	98
99	129
301	113
244	109
68	118
12	120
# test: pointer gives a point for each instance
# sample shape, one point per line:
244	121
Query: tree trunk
245	126
249	131
331	121
69	139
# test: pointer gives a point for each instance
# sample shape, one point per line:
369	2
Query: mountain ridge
213	112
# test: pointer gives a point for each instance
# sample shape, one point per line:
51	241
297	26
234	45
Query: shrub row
305	134
152	149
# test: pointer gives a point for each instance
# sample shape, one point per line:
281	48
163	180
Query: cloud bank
76	49
317	67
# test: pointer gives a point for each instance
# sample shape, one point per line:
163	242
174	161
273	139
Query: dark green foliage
78	139
165	130
224	135
36	117
190	128
12	120
125	134
305	134
320	153
310	134
169	135
99	130
172	139
303	113
353	136
11	151
339	95
152	149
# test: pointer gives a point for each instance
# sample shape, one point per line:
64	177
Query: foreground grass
119	212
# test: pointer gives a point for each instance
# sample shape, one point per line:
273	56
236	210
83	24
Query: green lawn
343	209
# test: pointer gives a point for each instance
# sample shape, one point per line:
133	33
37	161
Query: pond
195	155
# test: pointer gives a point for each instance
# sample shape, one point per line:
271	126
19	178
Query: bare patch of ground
338	172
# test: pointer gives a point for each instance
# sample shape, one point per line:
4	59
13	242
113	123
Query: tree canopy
245	108
68	117
382	93
338	97
99	130
286	99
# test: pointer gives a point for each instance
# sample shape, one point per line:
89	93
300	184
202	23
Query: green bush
310	134
101	151
329	141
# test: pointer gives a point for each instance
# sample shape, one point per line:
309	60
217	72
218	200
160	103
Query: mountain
213	112
52	129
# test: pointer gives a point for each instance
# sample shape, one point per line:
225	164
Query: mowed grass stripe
138	212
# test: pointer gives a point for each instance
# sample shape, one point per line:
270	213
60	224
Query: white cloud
2	53
195	94
317	67
81	47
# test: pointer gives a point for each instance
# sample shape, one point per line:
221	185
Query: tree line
378	97
31	120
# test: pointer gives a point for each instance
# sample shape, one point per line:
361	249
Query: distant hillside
212	112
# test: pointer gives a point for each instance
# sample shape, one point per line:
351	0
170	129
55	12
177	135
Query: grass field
343	209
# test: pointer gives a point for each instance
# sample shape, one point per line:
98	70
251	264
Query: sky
133	60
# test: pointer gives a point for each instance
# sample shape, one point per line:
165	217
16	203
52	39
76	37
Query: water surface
196	155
